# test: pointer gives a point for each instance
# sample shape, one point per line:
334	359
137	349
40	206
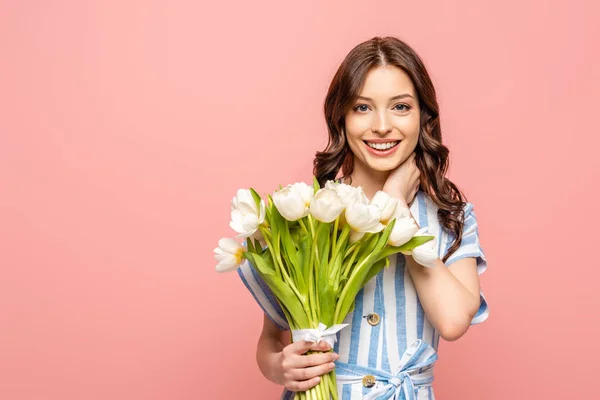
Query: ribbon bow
319	334
416	369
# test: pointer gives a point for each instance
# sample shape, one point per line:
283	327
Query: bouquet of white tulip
316	248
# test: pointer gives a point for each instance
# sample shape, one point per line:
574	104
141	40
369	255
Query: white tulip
245	215
229	255
404	228
293	201
364	218
425	254
348	193
386	203
326	205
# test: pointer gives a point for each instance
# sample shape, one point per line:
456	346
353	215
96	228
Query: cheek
358	124
409	126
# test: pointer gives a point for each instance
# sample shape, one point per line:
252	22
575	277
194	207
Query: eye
361	108
406	107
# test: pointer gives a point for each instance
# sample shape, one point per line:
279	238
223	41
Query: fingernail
336	356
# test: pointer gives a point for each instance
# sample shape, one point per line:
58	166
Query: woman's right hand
404	180
301	372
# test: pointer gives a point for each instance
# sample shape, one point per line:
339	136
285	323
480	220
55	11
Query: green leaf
325	289
375	269
268	208
250	245
316	185
259	262
291	257
304	249
282	290
369	241
415	241
256	198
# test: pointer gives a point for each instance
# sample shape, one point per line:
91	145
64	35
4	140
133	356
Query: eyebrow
400	96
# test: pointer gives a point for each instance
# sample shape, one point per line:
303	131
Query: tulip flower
364	218
425	254
348	193
293	201
404	228
245	215
326	205
229	255
386	203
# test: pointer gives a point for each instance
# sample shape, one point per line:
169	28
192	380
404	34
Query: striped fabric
391	294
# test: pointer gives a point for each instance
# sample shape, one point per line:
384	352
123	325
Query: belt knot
399	379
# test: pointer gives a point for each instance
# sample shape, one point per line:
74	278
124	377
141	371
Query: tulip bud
425	254
293	201
326	205
404	228
229	254
245	215
386	203
364	218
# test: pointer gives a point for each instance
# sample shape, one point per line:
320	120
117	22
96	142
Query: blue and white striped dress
399	351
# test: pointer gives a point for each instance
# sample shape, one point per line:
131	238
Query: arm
449	295
269	350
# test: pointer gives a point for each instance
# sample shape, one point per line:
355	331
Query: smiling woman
384	135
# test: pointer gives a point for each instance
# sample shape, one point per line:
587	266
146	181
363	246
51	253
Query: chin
384	166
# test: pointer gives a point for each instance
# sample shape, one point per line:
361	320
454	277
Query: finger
300	347
321	346
315	359
303	374
301	386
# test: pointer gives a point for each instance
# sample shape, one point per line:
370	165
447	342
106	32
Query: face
385	114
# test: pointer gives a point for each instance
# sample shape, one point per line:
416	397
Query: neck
370	180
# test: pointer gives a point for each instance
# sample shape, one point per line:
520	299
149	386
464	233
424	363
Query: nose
381	124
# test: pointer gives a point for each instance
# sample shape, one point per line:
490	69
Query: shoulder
425	205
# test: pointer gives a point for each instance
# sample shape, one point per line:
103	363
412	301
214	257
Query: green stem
354	253
335	229
343	236
333	386
303	226
324	387
311	278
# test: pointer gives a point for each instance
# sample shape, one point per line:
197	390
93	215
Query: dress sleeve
471	247
262	294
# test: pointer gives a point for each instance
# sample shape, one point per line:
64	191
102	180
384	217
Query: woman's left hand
403	181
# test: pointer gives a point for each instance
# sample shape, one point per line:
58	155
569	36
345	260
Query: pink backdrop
127	126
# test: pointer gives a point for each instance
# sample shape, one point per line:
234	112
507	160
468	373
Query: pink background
127	126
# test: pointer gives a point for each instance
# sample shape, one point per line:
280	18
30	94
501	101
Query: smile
382	146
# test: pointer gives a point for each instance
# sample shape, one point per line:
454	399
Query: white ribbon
322	333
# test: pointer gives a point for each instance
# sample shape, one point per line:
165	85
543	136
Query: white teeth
382	146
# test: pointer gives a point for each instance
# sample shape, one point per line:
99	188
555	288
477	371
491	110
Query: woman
384	134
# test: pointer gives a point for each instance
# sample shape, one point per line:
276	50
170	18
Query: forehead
387	81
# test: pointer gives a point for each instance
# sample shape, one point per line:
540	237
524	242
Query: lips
387	144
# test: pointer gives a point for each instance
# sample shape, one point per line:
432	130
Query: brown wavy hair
431	155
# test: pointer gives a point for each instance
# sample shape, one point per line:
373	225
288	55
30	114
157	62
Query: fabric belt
416	369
